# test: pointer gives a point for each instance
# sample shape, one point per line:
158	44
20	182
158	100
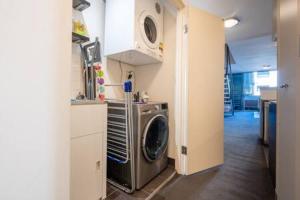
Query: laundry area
123	96
122	75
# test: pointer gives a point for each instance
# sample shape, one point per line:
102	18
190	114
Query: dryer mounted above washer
134	31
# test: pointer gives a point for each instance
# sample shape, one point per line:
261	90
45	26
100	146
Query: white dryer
134	31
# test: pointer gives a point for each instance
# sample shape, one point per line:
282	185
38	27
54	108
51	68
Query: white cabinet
88	152
88	119
86	167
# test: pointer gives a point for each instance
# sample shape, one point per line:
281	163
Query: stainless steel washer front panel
147	169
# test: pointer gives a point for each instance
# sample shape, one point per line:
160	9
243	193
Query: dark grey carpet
244	175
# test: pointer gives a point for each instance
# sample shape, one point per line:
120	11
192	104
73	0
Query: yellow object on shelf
79	28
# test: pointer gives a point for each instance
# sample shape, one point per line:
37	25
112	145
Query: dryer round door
149	30
155	140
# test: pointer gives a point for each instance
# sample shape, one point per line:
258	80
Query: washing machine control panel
149	109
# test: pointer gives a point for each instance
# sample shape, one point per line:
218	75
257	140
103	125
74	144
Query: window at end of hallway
264	79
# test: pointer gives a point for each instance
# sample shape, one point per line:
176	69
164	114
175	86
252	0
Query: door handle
146	112
284	86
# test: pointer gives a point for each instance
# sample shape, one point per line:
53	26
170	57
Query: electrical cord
134	85
121	70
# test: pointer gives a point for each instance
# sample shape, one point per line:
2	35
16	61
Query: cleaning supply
145	97
128	86
79	28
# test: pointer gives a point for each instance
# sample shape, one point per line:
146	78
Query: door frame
181	91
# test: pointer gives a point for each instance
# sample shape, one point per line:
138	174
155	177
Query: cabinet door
88	119
86	172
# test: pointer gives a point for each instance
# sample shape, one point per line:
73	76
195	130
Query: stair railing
228	75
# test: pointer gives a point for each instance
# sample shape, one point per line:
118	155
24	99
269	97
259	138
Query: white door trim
181	92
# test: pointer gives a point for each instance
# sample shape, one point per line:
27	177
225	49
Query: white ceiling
253	54
250	42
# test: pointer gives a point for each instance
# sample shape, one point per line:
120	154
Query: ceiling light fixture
231	22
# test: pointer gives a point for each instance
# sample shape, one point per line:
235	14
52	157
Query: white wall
159	79
115	74
35	57
94	20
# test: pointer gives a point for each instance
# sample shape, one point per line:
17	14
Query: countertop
86	102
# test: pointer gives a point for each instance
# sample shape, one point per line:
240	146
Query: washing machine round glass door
155	140
149	30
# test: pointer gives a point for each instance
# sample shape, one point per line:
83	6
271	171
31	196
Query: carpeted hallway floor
243	176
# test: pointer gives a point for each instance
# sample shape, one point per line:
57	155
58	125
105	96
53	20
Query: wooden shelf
78	39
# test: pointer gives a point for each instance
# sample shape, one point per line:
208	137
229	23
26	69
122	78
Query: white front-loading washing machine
134	31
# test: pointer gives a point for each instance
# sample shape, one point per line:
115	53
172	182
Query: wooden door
288	134
206	53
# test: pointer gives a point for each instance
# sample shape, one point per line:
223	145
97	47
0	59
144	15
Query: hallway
244	176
